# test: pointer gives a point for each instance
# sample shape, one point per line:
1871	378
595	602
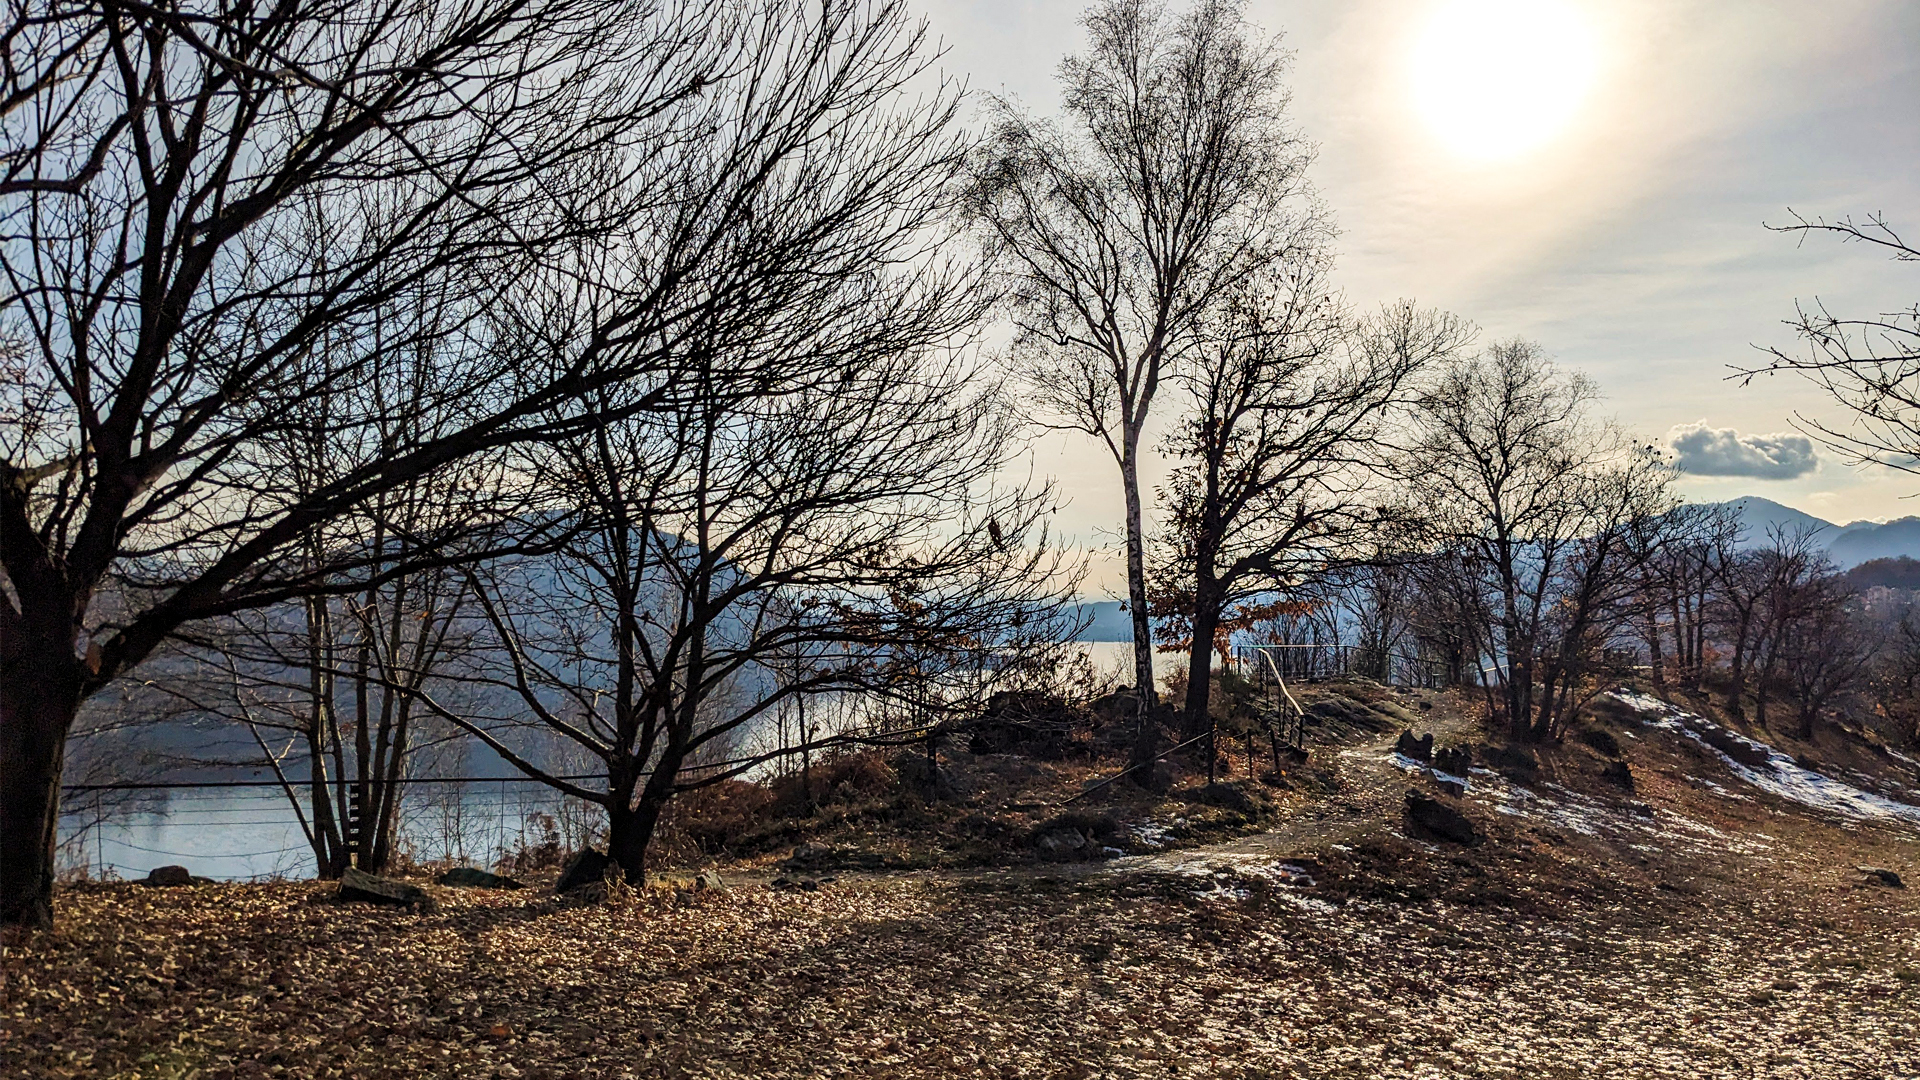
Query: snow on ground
1226	875
1781	775
1415	765
1642	827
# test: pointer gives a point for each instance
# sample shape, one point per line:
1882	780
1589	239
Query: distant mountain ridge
1849	545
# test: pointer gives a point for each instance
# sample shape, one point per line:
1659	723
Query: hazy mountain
1849	545
1108	620
1760	516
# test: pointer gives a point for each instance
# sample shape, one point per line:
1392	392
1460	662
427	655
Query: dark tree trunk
629	833
1737	670
37	707
1653	652
1206	622
1543	720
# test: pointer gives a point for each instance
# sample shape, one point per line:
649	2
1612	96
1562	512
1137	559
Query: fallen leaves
999	975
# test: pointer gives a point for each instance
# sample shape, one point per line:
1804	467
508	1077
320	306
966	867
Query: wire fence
1316	662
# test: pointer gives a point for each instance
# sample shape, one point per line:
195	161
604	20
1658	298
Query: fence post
354	826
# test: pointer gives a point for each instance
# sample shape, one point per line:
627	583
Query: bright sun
1496	78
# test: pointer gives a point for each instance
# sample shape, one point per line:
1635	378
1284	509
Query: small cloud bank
1709	451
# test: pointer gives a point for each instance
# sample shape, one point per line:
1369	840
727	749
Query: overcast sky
1624	233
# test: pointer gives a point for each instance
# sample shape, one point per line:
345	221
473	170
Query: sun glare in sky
1494	79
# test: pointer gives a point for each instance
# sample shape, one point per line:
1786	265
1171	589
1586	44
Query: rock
1433	818
783	884
709	881
1735	747
1115	708
584	868
374	889
808	856
1619	775
1028	722
168	877
468	877
1225	796
1454	761
1420	749
1063	844
1513	762
1880	875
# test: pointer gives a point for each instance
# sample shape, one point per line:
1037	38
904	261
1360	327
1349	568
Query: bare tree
835	546
1289	396
1870	365
1172	182
1827	653
1788	582
1895	671
1675	609
206	209
1533	505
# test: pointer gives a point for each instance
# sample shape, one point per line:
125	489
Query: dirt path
1370	792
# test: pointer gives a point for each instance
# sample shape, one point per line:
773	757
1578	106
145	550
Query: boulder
1342	712
1454	761
1420	749
467	877
1880	875
1063	845
808	856
1735	747
1435	819
1513	762
584	868
1027	722
373	889
167	877
1115	709
1226	797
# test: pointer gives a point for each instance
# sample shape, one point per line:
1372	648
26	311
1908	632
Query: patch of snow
1708	785
1414	765
1224	874
1295	875
1782	776
1152	834
1644	829
1307	903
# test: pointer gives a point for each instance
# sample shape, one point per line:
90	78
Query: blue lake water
244	833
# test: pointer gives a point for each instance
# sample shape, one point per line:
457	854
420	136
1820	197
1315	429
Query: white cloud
1709	451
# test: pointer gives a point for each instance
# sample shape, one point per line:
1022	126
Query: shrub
708	820
836	779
